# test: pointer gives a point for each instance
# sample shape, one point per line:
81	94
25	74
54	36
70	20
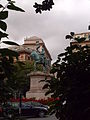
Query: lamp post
20	103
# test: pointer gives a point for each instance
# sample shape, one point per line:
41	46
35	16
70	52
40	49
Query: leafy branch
4	15
46	5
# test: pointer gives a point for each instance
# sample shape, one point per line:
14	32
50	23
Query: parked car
31	109
37	104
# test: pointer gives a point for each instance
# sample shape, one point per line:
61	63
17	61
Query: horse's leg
44	67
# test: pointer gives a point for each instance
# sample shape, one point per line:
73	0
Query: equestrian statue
39	57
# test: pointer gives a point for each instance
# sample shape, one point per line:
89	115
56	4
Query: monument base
37	95
36	86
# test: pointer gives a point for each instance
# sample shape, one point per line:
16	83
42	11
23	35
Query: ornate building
29	46
84	35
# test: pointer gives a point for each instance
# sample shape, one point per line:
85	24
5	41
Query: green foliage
71	83
6	70
10	43
46	5
20	81
2	35
6	56
3	15
11	6
8	52
3	25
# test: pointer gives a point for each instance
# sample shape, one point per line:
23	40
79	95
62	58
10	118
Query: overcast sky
51	26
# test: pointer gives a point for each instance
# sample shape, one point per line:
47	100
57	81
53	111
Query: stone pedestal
36	86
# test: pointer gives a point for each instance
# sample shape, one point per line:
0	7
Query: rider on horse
39	56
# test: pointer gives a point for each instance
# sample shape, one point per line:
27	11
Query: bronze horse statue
39	58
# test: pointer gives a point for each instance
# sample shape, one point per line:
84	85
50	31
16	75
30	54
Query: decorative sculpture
39	57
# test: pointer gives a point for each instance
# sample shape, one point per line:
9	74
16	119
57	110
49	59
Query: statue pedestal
36	86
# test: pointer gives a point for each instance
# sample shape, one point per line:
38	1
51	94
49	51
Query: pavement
52	117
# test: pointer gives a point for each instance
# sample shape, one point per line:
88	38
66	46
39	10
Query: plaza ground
52	117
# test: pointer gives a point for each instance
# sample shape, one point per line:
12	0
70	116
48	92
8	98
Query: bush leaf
72	33
1	6
3	15
13	7
3	35
10	43
45	86
3	25
68	37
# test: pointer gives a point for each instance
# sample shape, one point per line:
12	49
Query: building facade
29	45
85	35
